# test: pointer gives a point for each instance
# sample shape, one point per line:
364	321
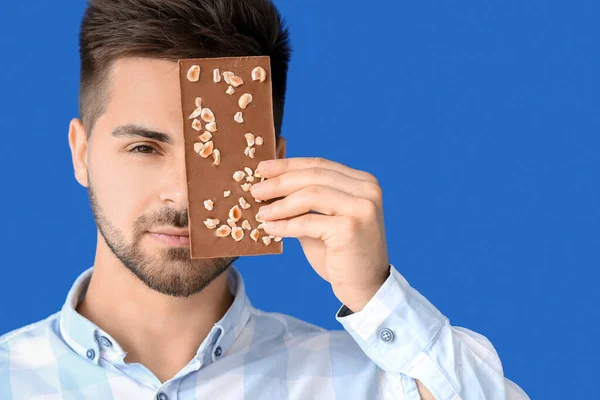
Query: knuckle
285	225
373	191
295	201
275	182
348	225
306	220
371	178
318	172
319	161
368	209
314	191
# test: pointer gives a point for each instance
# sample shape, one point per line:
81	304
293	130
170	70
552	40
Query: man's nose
174	190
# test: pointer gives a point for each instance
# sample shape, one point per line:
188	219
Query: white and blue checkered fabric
251	354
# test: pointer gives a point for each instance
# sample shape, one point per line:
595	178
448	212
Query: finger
289	182
272	168
315	226
322	199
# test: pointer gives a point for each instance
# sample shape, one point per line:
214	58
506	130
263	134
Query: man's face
137	185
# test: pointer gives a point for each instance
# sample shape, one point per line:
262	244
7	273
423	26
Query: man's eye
144	149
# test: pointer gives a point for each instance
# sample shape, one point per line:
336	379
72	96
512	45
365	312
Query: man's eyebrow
132	130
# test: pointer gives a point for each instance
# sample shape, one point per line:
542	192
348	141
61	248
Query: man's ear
79	144
281	147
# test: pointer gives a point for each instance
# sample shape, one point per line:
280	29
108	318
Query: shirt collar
90	341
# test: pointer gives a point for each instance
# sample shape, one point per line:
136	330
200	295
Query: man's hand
336	212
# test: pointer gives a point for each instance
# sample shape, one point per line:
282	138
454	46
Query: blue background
480	118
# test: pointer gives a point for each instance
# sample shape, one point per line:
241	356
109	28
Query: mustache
164	217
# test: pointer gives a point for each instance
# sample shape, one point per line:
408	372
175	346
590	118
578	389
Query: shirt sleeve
403	333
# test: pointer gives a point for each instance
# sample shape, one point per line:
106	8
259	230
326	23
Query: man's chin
176	254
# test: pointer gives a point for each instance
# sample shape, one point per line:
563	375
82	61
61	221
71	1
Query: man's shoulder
27	339
294	331
286	324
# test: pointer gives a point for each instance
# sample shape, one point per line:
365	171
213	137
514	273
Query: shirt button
91	354
387	335
105	341
218	351
162	396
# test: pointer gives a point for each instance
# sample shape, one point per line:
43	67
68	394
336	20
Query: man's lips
171	237
171	231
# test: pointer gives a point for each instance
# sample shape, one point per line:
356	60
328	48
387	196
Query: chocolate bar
228	126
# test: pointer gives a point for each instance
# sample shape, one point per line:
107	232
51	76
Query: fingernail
264	210
256	188
263	166
269	225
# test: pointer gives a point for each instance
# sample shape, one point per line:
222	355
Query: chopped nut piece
207	115
249	171
266	240
272	236
205	137
193	73
227	76
261	226
238	176
244	203
246	225
259	141
223	231
258	201
211	127
258	219
251	152
198	102
209	205
255	235
196	113
216	157
249	139
262	179
257	174
235	213
227	193
236	81
278	238
197	125
211	223
230	90
246	187
247	151
239	117
249	179
217	75
198	147
259	74
231	223
237	233
245	100
207	150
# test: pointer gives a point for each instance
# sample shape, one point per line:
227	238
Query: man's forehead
145	74
145	65
144	90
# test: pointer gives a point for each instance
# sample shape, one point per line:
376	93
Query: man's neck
161	332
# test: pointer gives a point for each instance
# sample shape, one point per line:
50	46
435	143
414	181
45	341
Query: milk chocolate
219	109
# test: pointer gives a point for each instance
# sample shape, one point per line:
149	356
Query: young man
147	321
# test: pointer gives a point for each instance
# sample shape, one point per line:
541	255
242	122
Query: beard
170	271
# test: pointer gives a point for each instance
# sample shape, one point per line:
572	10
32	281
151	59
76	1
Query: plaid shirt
251	354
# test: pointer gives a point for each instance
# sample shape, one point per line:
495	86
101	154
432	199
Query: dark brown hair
175	29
